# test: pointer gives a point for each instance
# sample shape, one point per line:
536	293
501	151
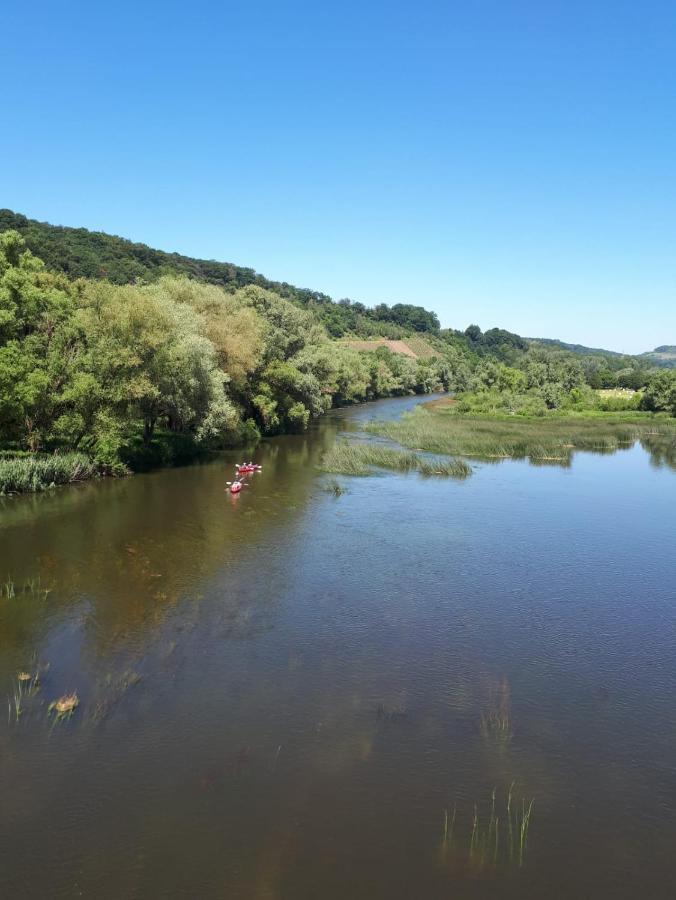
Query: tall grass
447	431
36	472
360	459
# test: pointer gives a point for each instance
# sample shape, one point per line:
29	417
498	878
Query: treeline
137	374
149	363
80	253
543	382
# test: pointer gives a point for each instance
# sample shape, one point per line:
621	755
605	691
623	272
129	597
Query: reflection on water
295	694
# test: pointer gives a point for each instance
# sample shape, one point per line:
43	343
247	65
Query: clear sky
506	163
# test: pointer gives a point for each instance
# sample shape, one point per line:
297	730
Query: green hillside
664	356
80	253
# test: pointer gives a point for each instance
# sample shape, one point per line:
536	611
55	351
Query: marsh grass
334	487
494	834
447	431
15	702
31	587
24	686
496	720
37	472
360	459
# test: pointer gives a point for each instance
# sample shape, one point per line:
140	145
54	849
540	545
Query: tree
660	394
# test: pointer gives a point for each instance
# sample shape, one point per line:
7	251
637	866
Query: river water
291	694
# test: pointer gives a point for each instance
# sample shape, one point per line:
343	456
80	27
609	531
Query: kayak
245	469
235	487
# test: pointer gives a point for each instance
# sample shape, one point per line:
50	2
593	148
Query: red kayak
247	468
235	487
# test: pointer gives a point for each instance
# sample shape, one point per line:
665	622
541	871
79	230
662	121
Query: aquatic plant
351	458
496	724
113	690
29	681
32	587
65	706
15	702
489	838
37	471
35	588
335	487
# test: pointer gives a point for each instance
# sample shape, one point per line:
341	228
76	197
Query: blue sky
505	163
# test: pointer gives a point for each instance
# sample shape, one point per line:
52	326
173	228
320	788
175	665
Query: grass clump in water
360	459
451	468
496	720
64	707
495	834
335	488
37	472
32	587
26	685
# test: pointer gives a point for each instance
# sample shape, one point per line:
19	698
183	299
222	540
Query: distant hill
81	253
93	254
664	356
574	348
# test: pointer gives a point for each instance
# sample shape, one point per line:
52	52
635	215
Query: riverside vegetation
119	357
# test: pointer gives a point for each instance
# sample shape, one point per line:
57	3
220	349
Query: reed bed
360	459
445	431
36	472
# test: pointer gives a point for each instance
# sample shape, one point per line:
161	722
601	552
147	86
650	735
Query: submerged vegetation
333	486
496	832
496	720
32	587
360	459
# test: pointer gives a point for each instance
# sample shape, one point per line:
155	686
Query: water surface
284	694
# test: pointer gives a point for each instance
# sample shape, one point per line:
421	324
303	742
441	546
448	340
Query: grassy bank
20	473
445	430
361	459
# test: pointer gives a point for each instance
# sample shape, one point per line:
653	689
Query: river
291	694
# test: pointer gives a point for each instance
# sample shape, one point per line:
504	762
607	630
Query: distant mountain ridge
664	356
576	348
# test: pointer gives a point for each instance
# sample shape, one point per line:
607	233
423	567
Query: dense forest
133	357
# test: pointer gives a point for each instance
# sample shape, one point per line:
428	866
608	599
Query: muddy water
295	695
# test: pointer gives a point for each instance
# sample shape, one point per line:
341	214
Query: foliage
660	394
147	374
